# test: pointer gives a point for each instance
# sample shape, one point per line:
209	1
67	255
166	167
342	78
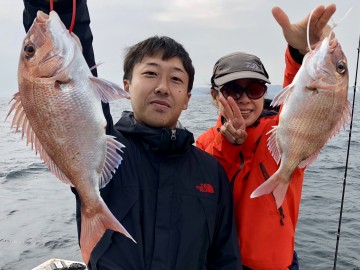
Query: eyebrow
158	66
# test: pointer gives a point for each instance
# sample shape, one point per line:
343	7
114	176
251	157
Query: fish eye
29	50
341	67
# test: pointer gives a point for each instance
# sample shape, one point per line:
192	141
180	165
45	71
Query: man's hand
296	34
234	127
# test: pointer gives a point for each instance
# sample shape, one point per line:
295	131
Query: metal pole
347	161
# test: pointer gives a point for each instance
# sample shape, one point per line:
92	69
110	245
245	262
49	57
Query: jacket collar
162	140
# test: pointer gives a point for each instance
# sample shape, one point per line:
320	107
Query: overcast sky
208	29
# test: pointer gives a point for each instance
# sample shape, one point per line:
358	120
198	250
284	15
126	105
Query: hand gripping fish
315	107
58	108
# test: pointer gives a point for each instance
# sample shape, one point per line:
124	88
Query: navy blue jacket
173	198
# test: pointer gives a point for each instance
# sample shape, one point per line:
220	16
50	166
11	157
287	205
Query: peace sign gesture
234	127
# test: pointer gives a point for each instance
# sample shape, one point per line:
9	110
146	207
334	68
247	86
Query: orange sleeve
292	67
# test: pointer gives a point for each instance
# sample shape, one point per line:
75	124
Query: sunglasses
254	90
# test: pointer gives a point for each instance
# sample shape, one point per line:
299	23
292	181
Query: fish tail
276	185
93	228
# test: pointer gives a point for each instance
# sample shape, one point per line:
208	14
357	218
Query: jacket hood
162	140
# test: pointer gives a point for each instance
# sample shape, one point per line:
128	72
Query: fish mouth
333	43
42	17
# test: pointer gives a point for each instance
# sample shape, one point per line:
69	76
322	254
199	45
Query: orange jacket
266	234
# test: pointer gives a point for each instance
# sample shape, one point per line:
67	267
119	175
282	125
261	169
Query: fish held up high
315	107
58	108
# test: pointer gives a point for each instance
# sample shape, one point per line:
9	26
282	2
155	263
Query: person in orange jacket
239	142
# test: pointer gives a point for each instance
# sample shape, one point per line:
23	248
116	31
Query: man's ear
126	85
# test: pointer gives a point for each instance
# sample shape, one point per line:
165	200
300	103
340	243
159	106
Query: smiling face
250	108
158	91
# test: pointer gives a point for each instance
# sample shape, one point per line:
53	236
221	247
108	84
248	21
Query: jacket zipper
173	134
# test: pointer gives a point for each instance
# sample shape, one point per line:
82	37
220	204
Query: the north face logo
207	188
253	66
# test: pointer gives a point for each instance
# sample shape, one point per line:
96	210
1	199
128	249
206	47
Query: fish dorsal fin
282	96
273	146
113	160
21	121
107	91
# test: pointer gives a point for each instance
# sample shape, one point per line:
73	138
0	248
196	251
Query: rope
73	18
347	161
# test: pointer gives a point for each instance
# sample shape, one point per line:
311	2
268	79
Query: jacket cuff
296	55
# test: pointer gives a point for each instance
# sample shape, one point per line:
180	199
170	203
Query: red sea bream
58	108
315	107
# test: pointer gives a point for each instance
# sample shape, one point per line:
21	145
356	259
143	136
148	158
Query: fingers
232	111
232	135
234	107
227	109
234	127
325	16
281	17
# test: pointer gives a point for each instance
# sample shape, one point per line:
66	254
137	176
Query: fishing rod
347	161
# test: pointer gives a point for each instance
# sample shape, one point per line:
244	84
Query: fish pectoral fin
113	160
273	145
107	91
96	66
281	97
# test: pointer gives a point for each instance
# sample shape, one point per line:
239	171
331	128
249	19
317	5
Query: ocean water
37	213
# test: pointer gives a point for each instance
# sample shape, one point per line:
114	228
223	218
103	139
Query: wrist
296	54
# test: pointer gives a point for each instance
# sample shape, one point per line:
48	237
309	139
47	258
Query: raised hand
296	34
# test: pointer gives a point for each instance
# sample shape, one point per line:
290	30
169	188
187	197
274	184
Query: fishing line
347	160
308	30
73	17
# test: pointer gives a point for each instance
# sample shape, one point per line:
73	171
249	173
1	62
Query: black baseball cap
236	66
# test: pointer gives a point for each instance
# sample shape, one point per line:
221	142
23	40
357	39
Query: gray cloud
208	29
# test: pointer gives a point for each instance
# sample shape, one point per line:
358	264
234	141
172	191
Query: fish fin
275	185
273	146
96	66
344	120
107	91
113	160
93	227
20	120
281	97
309	160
